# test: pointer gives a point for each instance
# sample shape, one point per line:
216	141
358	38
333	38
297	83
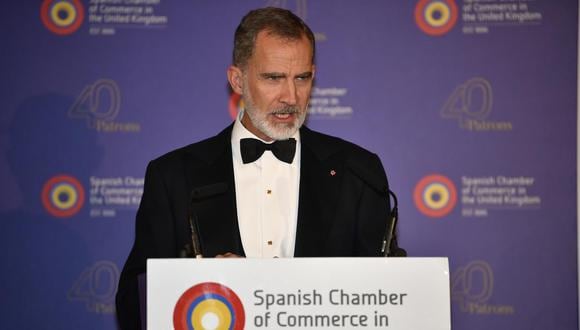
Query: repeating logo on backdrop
99	104
63	196
62	17
472	287
209	306
435	195
436	17
235	105
96	287
471	103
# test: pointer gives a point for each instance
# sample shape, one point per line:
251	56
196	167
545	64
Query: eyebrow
266	75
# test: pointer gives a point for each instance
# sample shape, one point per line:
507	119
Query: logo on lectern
209	306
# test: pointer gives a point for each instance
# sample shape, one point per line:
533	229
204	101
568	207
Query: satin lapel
319	188
216	215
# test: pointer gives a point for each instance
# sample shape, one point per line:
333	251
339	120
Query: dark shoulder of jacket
359	161
328	145
204	149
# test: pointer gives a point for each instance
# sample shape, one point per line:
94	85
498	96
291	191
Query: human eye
272	76
307	76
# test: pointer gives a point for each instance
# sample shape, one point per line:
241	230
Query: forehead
273	48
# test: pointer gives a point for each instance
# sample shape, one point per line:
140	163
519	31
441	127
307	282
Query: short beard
282	131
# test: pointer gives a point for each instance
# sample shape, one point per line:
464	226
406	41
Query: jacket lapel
210	166
320	176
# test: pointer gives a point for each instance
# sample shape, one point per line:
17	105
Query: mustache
286	110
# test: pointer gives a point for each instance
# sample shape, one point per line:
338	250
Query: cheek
266	95
304	94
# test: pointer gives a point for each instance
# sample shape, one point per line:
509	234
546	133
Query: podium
305	293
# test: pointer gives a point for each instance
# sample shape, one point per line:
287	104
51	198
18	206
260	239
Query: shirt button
269	192
269	242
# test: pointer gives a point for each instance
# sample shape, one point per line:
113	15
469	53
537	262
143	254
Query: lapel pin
332	172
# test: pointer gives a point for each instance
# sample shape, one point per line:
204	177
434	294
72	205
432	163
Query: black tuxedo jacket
339	213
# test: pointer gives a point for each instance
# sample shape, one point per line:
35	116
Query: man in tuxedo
266	186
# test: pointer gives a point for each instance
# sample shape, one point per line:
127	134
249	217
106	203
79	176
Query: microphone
390	233
199	194
381	185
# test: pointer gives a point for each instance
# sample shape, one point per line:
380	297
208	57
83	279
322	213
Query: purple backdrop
471	106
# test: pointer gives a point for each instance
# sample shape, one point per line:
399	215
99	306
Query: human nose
288	93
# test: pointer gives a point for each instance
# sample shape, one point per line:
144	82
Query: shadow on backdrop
45	254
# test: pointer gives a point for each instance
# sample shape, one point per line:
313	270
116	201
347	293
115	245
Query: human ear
235	78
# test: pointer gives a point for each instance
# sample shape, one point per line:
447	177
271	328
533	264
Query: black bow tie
253	149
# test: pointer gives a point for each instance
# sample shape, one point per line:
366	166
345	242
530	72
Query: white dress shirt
266	199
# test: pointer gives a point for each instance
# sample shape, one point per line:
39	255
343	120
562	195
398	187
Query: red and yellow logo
435	195
62	17
436	17
209	306
63	196
235	105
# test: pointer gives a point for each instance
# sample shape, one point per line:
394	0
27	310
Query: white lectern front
303	293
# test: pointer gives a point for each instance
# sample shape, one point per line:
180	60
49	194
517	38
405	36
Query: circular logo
63	196
235	105
436	17
435	195
209	306
62	17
